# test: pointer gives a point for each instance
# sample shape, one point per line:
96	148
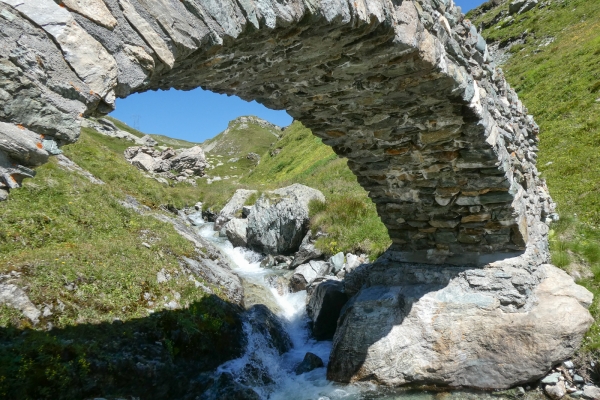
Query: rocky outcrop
458	326
447	152
108	128
307	273
268	325
521	6
233	207
187	162
279	219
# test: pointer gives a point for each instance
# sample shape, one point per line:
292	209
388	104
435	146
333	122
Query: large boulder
233	206
279	220
307	273
187	162
311	361
324	306
190	159
144	162
459	326
235	230
268	326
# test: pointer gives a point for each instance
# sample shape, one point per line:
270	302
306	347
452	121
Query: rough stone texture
187	162
235	230
324	307
306	252
233	206
521	6
428	123
418	323
106	127
190	159
15	297
557	391
218	274
406	90
93	9
591	392
279	219
307	273
69	165
269	326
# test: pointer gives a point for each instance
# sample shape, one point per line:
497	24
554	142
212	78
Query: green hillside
171	142
227	152
554	51
91	265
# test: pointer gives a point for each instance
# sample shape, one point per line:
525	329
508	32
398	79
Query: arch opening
405	90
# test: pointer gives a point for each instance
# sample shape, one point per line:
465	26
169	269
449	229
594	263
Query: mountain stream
282	382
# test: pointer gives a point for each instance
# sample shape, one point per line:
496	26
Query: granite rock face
279	219
428	123
235	230
233	206
458	326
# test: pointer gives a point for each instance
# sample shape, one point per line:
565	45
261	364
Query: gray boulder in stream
233	207
235	230
279	219
307	273
268	325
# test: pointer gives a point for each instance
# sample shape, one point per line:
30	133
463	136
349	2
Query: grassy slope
175	143
560	84
75	246
349	216
236	142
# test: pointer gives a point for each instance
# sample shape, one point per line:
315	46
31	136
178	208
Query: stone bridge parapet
406	90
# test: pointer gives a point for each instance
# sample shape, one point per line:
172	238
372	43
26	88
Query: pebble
591	392
578	379
552	379
568	364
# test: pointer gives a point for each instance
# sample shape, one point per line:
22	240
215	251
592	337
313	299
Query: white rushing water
282	382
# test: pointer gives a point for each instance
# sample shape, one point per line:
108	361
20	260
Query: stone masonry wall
406	90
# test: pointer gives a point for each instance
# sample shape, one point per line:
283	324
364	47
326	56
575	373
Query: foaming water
272	375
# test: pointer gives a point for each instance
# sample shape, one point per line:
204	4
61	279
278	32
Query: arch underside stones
406	90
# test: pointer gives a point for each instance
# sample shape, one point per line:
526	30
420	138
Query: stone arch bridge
406	90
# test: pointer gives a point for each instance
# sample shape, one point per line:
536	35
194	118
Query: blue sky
198	115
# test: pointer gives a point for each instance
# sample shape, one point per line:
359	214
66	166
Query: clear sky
198	115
